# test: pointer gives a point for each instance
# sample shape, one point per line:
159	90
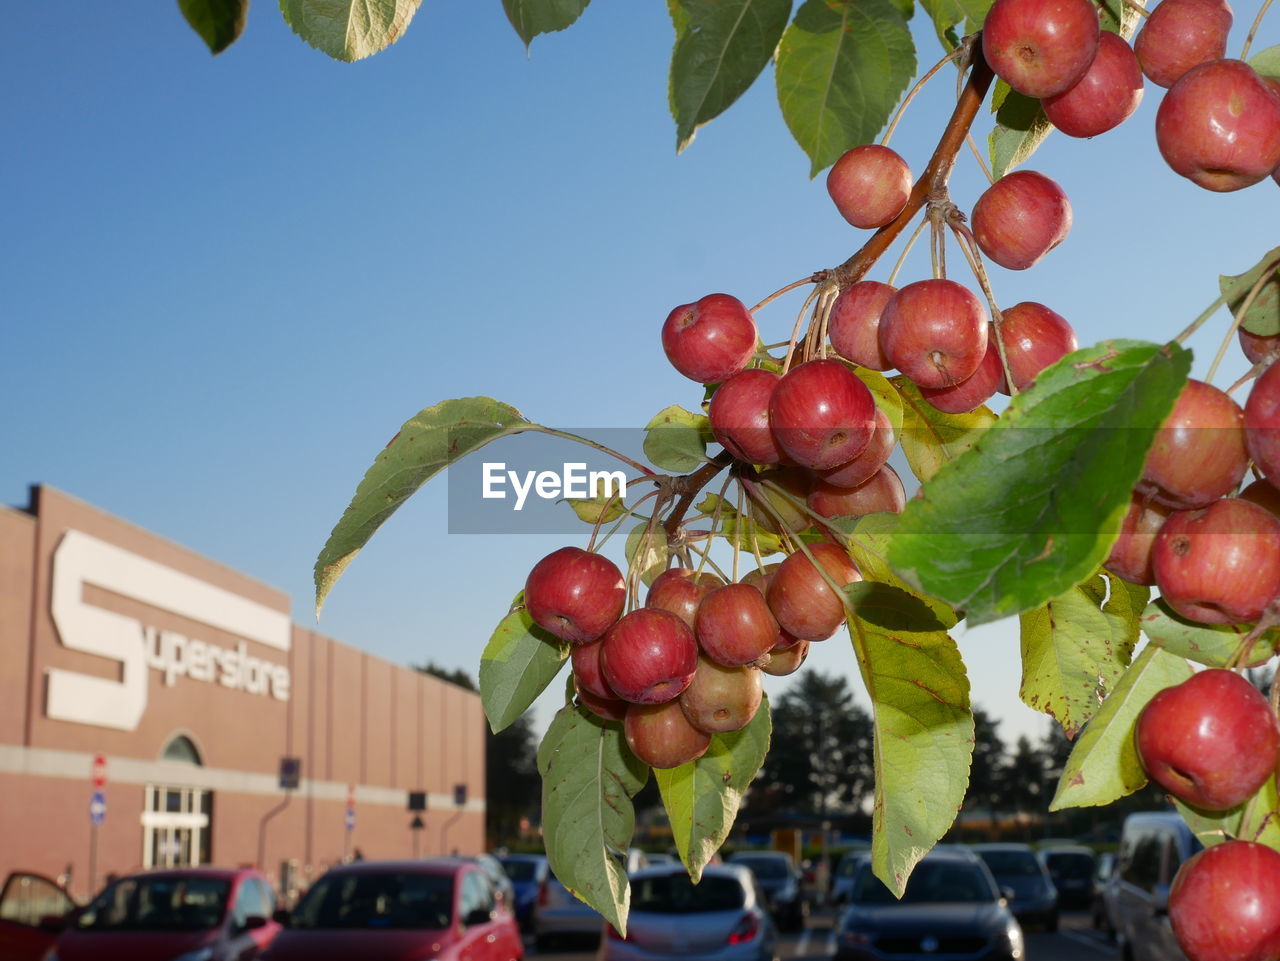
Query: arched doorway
176	816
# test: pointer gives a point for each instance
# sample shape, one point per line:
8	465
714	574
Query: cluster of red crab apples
687	665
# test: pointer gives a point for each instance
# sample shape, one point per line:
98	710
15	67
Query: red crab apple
661	736
1262	423
711	339
608	708
802	600
1179	35
760	580
1199	453
881	493
1219	564
869	185
1223	904
1259	347
586	670
976	389
1105	97
735	626
822	414
854	325
574	594
861	468
935	332
1210	741
1020	218
787	661
680	591
739	415
1130	556
1040	47
722	699
649	656
1219	126
1035	337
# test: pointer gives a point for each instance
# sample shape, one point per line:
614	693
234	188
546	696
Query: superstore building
152	703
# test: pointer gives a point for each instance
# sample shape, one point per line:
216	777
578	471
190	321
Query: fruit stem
1249	374
960	50
1257	22
906	250
686	488
964	237
795	331
1138	8
647	472
812	279
936	173
1236	321
628	512
982	161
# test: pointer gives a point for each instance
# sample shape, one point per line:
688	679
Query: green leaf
1070	655
886	395
518	663
947	14
1258	817
427	443
731	526
1210	644
702	797
676	440
1263	316
923	730
532	17
1104	766
218	22
349	29
1267	62
600	509
649	554
931	438
1211	827
1034	506
588	780
867	540
1021	127
842	67
721	47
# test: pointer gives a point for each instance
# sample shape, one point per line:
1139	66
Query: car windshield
1073	867
930	883
765	868
158	904
391	899
519	869
676	894
1011	864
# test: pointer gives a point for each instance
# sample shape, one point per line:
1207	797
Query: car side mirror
253	922
281	916
477	916
1008	894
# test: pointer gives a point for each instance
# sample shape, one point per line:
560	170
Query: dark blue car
528	874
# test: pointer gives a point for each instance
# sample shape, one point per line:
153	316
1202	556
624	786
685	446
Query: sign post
459	801
349	822
97	814
290	780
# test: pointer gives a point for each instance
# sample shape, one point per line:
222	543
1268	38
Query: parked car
846	870
198	914
951	910
780	883
441	908
720	917
528	873
1023	876
1153	846
1071	868
502	884
1102	910
34	910
560	915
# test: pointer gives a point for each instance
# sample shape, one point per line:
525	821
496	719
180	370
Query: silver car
1153	846
721	918
558	915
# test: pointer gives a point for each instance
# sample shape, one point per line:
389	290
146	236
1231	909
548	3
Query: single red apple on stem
1020	218
649	656
870	185
854	324
661	736
1223	904
822	414
739	416
680	591
1210	741
1199	453
1179	35
935	332
800	597
1105	97
722	699
1035	337
711	339
1040	47
735	626
574	594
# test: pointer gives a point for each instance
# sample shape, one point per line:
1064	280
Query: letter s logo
78	560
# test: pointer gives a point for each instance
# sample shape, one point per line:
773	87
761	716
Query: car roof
213	873
1069	849
773	855
440	866
739	872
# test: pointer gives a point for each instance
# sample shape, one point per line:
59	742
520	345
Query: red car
441	908
182	914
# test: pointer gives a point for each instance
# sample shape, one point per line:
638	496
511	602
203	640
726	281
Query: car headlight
199	954
1013	931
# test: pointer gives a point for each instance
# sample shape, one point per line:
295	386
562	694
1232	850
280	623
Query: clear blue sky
226	281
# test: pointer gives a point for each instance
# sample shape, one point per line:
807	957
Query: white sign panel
81	559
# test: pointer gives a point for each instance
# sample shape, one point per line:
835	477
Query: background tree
986	777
